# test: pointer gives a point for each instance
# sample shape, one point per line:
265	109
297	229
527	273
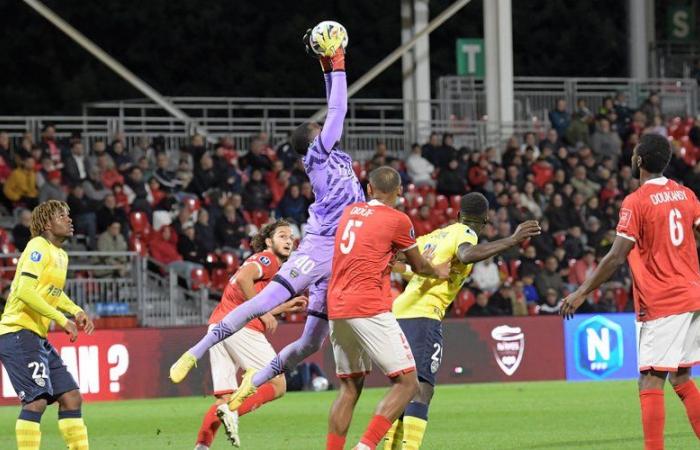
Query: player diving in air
422	305
335	186
36	370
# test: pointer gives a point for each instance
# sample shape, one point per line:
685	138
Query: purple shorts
310	267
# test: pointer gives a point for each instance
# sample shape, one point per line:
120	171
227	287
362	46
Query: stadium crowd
196	207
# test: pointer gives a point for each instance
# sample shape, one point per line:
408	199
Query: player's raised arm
470	254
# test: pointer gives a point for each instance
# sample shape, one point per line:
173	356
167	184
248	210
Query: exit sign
470	57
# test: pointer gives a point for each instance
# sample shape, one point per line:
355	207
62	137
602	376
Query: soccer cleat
230	421
182	367
246	389
201	447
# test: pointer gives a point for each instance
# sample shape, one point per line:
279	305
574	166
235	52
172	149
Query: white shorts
244	349
669	343
359	341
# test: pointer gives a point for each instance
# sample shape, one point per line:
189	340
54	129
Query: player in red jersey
655	235
248	348
363	329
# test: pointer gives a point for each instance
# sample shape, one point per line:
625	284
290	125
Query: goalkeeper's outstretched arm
337	96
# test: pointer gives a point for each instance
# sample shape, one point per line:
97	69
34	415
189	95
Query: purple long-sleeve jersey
330	170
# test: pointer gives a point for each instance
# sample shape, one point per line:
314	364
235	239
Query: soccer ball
327	32
320	384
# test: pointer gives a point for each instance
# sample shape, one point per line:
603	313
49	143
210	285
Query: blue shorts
425	338
35	368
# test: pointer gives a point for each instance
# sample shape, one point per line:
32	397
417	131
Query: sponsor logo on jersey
35	256
508	348
412	233
293	273
625	216
598	347
265	260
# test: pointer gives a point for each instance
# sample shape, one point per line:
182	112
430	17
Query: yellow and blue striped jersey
430	297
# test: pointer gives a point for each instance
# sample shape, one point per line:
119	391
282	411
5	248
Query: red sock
335	442
264	394
376	430
690	396
210	424
653	417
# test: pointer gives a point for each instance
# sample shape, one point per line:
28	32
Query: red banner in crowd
134	363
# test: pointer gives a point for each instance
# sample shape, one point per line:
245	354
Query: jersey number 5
348	240
675	227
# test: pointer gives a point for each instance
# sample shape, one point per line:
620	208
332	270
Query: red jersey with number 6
660	218
369	234
233	297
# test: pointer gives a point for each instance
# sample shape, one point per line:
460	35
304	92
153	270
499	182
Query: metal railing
150	291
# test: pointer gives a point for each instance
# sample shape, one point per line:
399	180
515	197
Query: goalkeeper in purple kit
335	186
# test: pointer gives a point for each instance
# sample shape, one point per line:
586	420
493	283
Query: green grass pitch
536	415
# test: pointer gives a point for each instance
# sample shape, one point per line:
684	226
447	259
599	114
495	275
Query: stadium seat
416	201
212	258
621	299
559	239
455	202
139	223
4	236
219	278
425	190
441	202
10	263
401	201
260	218
410	188
465	299
136	244
199	279
231	262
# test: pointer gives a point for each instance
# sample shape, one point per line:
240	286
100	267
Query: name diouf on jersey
667	196
360	211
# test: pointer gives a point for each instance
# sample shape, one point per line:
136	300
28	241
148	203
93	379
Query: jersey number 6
675	227
348	239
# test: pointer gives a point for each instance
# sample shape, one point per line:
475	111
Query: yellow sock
394	436
28	435
413	431
74	433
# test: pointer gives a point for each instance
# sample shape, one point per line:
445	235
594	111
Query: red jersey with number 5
369	234
233	297
660	218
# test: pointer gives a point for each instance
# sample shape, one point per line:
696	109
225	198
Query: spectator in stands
519	299
5	157
257	195
256	159
21	233
529	199
189	249
549	277
49	145
109	213
278	181
76	165
121	158
138	192
97	149
449	181
159	195
578	133
582	268
431	148
164	174
112	240
229	176
286	153
293	206
692	179
694	133
184	172
606	143
94	189
501	302
205	176
446	153
108	173
651	107
478	174
551	141
20	187
205	237
530	142
163	249
52	189
423	224
582	184
381	151
560	118
481	307
419	169
529	289
185	217
146	169
551	304
485	275
231	229
193	152
83	215
528	262
573	244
